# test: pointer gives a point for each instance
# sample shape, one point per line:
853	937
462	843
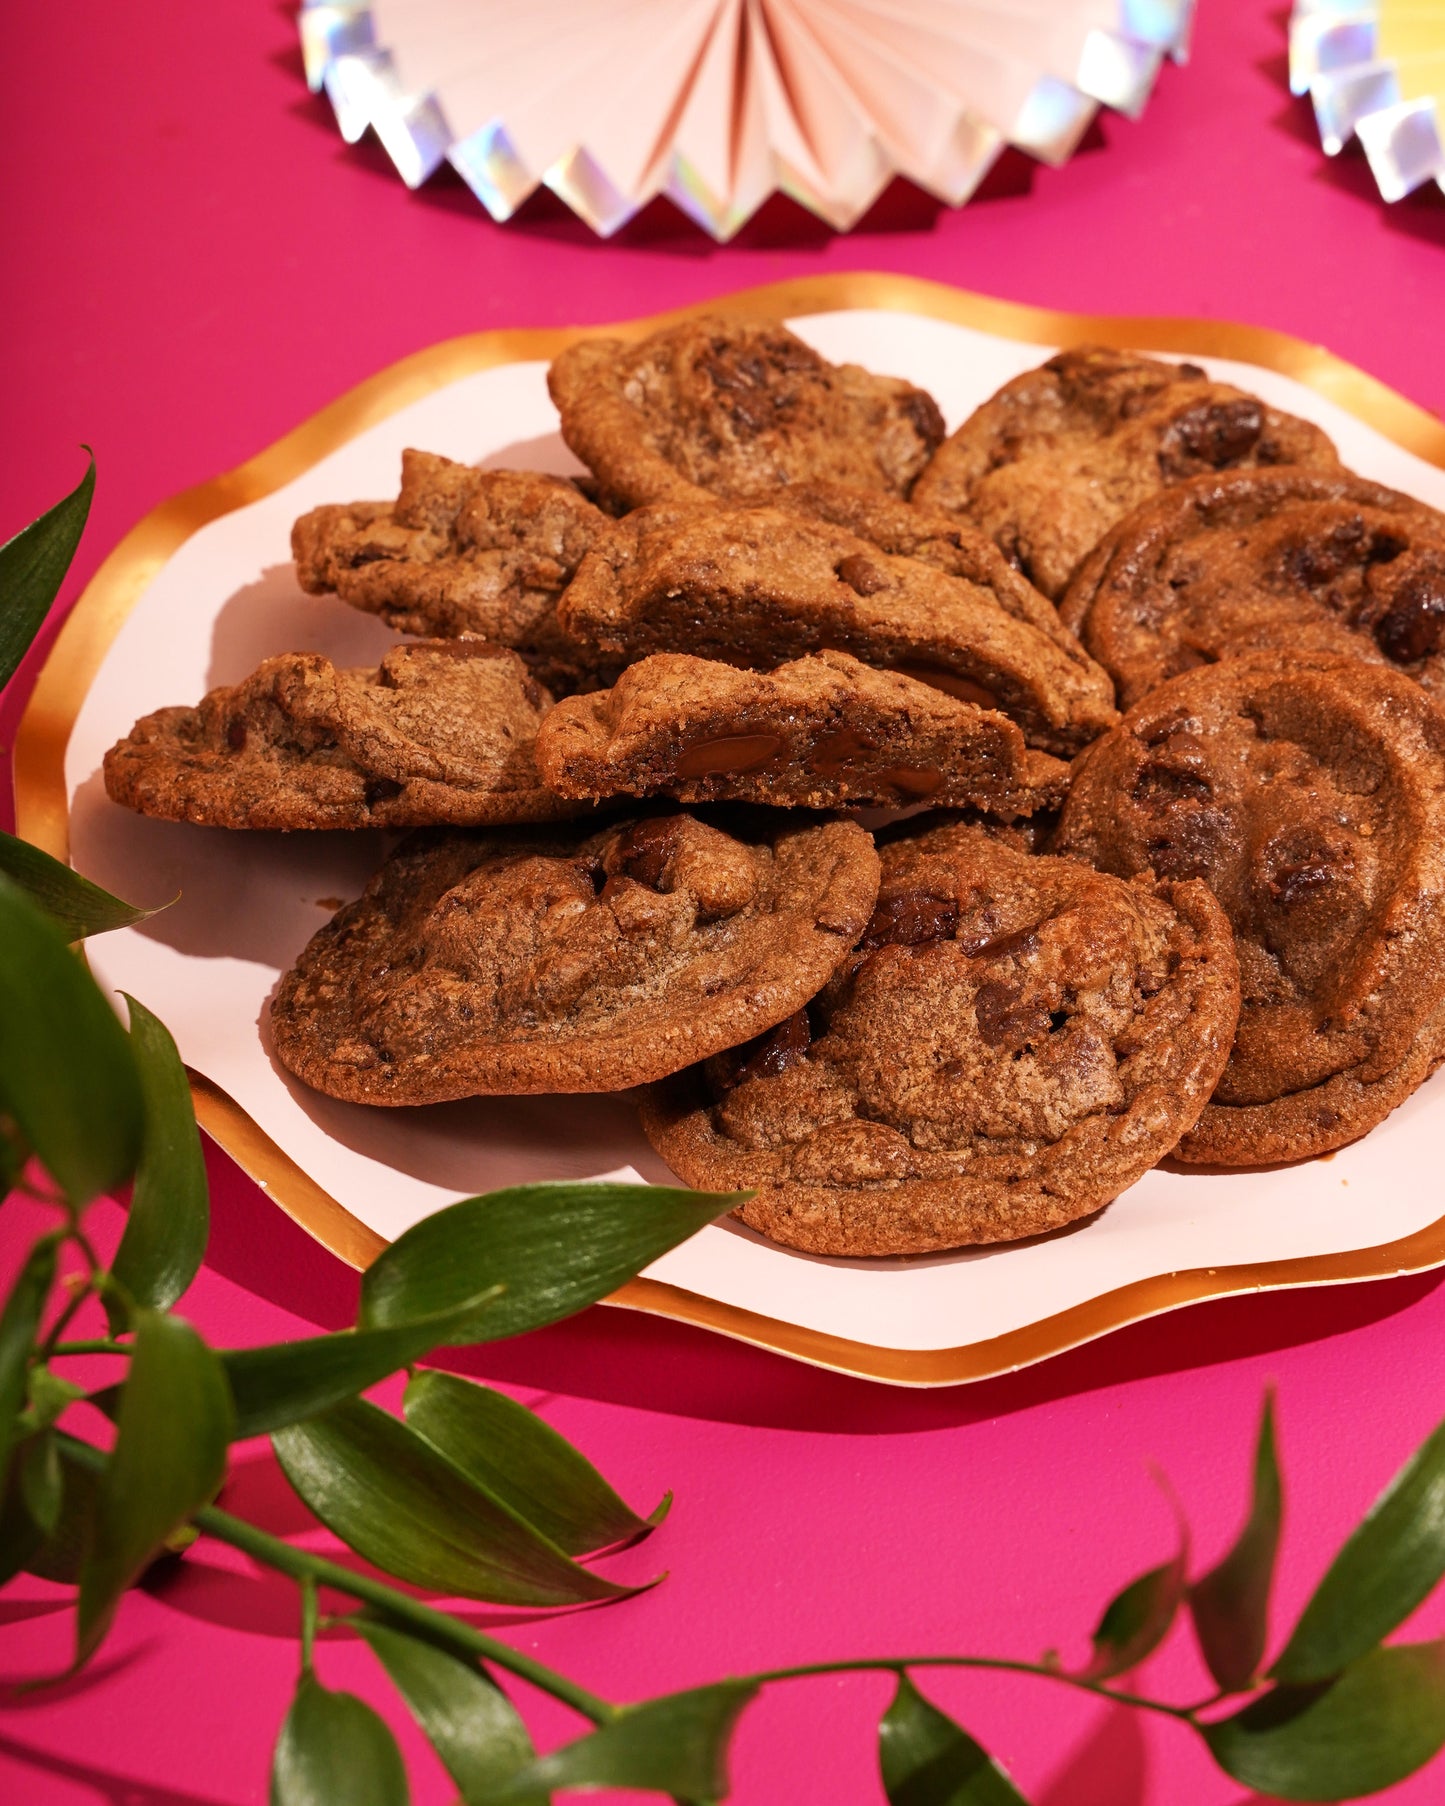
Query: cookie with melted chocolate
819	733
757	586
483	552
1050	463
1309	794
555	961
1015	1040
1293	560
726	405
441	733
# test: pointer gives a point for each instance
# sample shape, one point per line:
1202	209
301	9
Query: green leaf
66	1072
502	1446
164	1242
469	1721
20	1535
1230	1605
335	1751
1380	1575
19	1326
1376	1723
676	1745
556	1248
80	907
13	1155
172	1432
284	1382
1136	1621
928	1760
41	1483
33	567
61	1555
407	1509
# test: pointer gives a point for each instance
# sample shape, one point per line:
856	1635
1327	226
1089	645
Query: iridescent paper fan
718	103
1376	73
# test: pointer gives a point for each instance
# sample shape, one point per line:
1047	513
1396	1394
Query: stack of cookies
776	769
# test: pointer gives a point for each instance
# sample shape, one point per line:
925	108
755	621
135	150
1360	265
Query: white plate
227	597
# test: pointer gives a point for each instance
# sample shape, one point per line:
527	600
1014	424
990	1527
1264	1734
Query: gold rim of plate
42	809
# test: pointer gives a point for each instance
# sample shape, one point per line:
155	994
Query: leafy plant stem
308	1623
896	1665
62	1322
434	1626
96	1346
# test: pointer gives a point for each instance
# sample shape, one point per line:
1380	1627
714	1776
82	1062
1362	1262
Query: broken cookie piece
1014	1041
484	552
442	732
818	733
1049	464
759	586
481	963
730	405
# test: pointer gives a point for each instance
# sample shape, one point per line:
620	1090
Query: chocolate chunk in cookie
1015	1041
1310	797
481	963
484	552
1295	560
818	733
1061	453
728	405
758	586
441	733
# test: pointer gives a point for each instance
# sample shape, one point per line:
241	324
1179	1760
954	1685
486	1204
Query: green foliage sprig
467	1493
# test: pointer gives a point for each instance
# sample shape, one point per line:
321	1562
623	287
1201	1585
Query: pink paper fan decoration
719	103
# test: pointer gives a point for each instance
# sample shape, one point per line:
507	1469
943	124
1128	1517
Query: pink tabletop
196	262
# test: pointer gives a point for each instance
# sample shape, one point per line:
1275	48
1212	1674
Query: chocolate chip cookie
758	586
727	405
479	963
1297	560
441	733
1061	453
1310	796
484	552
817	733
1015	1040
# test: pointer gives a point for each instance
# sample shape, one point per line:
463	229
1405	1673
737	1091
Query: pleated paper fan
717	104
1376	72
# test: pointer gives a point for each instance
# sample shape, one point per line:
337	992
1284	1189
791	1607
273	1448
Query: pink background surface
194	263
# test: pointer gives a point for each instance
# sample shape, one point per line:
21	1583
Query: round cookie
1050	463
733	405
478	963
1015	1041
1310	795
1295	560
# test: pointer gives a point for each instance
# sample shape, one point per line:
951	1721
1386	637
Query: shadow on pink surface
116	1790
624	1357
1110	1767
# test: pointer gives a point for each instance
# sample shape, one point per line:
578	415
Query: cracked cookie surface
1049	464
1309	794
441	732
477	963
725	405
1015	1040
1294	560
818	733
461	550
759	586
